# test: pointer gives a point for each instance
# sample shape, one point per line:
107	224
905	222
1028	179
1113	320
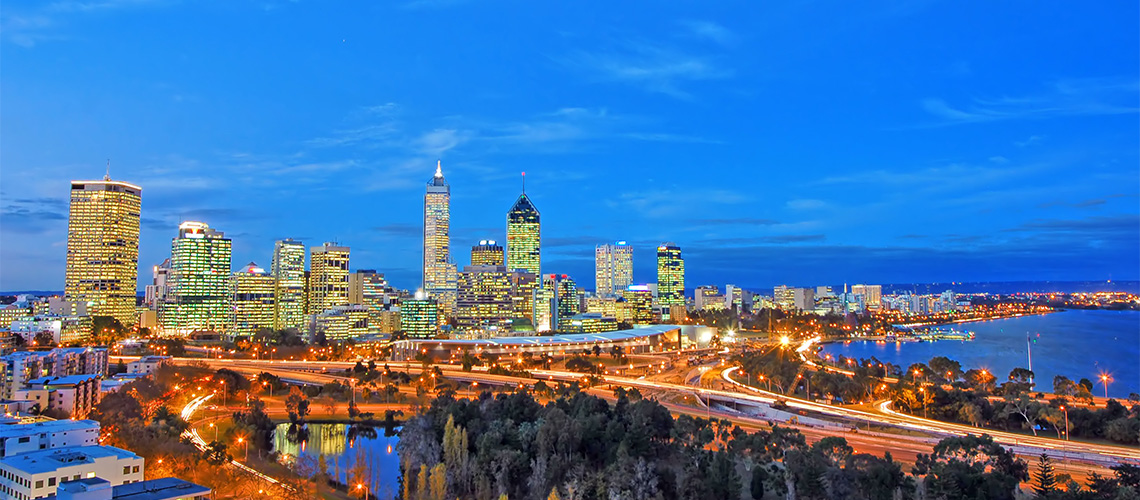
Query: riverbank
974	320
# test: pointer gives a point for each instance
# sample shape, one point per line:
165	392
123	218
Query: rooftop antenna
524	182
108	176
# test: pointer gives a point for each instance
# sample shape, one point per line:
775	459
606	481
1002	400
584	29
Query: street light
361	486
1066	410
242	440
1105	378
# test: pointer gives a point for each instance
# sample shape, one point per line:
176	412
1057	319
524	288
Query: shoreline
975	320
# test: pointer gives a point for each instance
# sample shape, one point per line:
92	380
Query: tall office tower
523	285
157	291
368	288
569	303
872	294
254	291
328	277
483	306
103	247
613	268
200	294
419	316
670	276
545	316
524	237
487	253
288	270
439	269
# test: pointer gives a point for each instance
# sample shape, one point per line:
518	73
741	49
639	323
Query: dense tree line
580	447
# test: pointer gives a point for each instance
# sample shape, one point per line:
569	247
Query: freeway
1098	454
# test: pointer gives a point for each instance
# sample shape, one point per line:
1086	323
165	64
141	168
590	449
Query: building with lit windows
370	289
613	268
419	317
872	295
288	271
708	298
103	247
38	474
524	237
200	292
159	288
340	323
638	305
589	323
439	268
569	302
253	295
523	286
670	275
484	305
734	298
606	306
328	277
487	253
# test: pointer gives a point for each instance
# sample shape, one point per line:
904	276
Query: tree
1044	480
969	467
1023	405
215	453
44	339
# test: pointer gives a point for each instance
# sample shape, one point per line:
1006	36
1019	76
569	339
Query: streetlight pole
361	486
1104	379
1066	410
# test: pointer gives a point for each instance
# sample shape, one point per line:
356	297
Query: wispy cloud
46	23
654	67
711	31
1072	97
733	222
668	202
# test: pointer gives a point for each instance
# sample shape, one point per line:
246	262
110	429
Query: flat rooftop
38	462
573	338
17	430
68	380
164	488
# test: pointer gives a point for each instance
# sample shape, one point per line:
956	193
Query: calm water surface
378	455
1077	344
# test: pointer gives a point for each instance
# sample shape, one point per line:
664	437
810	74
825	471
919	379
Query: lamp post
215	430
923	391
241	441
1104	378
362	486
1066	410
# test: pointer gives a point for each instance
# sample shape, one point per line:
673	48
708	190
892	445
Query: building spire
524	182
439	168
108	176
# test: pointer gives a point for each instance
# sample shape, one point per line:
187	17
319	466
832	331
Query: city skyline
771	155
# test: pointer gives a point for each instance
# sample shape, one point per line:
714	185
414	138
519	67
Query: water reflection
351	454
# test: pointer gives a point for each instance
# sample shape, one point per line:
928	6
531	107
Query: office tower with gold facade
484	306
613	268
524	237
288	271
254	291
439	268
369	289
103	247
328	277
487	253
200	293
670	276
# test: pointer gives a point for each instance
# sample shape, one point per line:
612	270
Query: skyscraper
103	247
487	253
328	277
613	268
524	237
253	300
200	293
419	317
288	270
484	306
670	275
439	269
156	291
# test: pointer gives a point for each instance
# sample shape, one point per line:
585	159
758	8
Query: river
376	455
1077	344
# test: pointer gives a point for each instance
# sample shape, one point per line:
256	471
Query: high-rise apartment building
670	275
288	271
200	294
524	236
103	247
328	277
484	306
487	253
569	303
254	291
439	268
613	268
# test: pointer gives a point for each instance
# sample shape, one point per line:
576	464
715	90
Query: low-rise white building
25	438
147	365
166	488
38	474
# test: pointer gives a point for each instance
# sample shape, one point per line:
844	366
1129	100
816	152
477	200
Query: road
902	446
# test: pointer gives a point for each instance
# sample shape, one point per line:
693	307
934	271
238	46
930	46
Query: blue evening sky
776	142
